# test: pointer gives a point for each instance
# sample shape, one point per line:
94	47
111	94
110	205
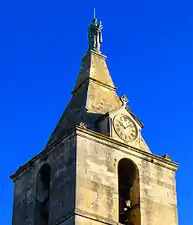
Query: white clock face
125	128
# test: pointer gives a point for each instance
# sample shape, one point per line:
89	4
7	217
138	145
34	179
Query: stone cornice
103	139
96	82
87	215
41	155
108	141
99	54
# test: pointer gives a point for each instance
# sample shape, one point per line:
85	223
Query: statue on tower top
95	35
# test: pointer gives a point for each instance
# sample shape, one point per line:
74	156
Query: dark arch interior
128	192
43	195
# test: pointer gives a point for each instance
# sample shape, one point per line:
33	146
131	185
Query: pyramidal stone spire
94	94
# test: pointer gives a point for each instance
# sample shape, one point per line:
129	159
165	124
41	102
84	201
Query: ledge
89	134
132	150
94	81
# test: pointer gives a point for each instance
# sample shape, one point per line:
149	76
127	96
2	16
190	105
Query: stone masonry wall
97	184
62	160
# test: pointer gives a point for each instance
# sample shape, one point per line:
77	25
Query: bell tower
96	167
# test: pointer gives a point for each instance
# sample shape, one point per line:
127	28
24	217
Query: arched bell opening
43	195
129	193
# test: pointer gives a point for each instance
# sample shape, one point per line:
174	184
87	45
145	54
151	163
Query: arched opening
129	195
43	195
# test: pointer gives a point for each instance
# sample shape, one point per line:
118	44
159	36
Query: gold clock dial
125	128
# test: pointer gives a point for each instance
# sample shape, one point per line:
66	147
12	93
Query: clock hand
129	125
122	124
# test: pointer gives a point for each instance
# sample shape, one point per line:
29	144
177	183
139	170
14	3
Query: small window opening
43	196
129	209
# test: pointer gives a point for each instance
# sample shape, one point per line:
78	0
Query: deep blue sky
149	49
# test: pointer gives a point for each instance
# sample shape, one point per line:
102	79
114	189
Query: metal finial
94	13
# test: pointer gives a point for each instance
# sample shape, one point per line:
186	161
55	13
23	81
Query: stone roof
93	96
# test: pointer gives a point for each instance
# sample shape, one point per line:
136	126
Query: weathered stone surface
62	160
93	96
84	186
157	183
85	182
94	67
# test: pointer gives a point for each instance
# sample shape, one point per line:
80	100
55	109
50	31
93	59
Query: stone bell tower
96	168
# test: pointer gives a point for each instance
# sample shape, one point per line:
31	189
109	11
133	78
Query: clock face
125	128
